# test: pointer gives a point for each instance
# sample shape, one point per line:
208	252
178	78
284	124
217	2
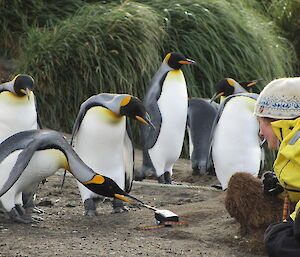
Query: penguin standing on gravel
200	119
18	112
28	157
166	102
101	137
235	141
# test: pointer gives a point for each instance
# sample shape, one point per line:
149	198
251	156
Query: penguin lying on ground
18	112
166	102
235	141
201	115
101	137
28	157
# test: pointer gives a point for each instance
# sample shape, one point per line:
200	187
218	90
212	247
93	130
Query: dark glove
271	184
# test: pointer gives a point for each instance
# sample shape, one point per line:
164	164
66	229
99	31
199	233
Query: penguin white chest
172	104
16	114
100	141
43	164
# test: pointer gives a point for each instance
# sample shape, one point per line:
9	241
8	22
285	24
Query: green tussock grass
99	50
17	17
117	47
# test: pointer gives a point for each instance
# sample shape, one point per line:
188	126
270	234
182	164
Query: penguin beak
123	198
216	96
187	61
147	121
26	92
252	83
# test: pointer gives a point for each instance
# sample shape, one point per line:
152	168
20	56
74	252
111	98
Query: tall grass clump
226	41
100	49
286	15
17	17
112	47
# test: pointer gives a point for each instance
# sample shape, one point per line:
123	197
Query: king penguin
201	115
166	103
28	157
235	141
18	107
101	137
18	112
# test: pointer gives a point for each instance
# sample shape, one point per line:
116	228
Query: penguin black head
246	84
23	84
176	60
107	187
224	87
133	108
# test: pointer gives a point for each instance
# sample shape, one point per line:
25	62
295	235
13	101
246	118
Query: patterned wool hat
280	99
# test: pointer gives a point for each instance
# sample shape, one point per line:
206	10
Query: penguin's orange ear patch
125	101
97	179
168	57
230	82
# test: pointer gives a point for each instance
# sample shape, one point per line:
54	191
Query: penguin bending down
166	102
28	157
18	112
200	118
101	137
235	141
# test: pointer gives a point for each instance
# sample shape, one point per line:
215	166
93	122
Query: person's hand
271	184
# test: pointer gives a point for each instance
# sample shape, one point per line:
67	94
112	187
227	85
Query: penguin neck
239	89
76	166
162	71
11	98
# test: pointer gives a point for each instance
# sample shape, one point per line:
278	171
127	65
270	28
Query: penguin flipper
16	142
128	153
22	161
149	134
38	119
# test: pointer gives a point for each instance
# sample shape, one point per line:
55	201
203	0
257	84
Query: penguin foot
118	206
196	172
168	179
165	178
90	207
20	218
161	179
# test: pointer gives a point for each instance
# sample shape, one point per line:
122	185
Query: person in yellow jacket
278	112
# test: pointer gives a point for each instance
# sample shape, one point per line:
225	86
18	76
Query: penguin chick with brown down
166	102
28	157
101	137
246	202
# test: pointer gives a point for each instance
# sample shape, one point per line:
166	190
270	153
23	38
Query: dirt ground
66	232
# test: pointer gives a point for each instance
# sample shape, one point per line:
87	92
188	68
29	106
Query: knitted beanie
280	99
